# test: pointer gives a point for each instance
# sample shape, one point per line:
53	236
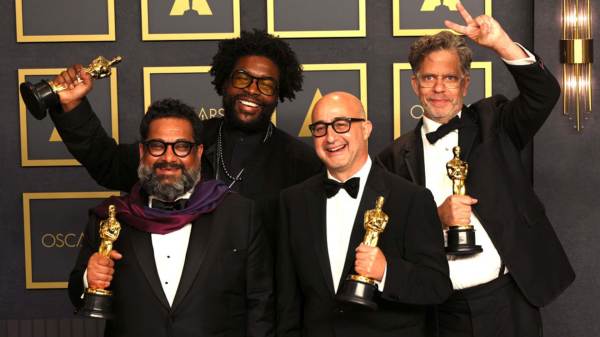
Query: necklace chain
221	161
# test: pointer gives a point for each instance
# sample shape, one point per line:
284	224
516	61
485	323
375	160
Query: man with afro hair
242	148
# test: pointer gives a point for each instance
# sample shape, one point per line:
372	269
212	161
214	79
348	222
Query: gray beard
151	183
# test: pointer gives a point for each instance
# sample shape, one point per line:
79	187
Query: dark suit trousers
495	309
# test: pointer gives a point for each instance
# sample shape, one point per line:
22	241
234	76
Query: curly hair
170	107
258	43
443	40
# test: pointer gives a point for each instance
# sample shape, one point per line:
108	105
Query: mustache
167	165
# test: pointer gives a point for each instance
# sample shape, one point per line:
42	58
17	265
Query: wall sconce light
576	56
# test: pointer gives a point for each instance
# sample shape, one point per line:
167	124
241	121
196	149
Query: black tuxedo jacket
279	163
225	289
496	130
417	271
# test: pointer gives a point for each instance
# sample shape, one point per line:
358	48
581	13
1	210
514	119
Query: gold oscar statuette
40	96
98	302
357	289
460	237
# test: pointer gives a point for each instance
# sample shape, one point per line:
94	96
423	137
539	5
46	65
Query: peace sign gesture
486	32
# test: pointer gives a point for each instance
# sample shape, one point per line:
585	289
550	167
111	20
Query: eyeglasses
157	148
266	85
430	80
339	125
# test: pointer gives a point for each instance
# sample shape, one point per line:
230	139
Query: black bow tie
176	205
332	187
444	129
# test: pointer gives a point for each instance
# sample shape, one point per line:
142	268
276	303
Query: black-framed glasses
266	85
450	81
339	125
157	148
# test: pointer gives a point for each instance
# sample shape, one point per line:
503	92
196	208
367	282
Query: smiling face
169	176
342	153
249	108
440	102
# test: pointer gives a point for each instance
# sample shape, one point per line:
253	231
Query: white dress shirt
169	255
340	215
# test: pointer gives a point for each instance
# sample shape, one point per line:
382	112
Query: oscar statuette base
461	241
358	290
38	98
97	303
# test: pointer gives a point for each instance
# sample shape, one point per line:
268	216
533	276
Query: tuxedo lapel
196	252
317	220
144	253
374	188
467	134
414	156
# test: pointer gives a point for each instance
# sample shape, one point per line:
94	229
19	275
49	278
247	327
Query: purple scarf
133	211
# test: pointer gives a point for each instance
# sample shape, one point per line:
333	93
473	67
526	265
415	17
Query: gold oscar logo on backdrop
304	131
54	136
182	7
433	5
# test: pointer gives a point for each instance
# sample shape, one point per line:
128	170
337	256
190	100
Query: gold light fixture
576	48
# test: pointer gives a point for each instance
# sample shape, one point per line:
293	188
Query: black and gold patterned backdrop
355	45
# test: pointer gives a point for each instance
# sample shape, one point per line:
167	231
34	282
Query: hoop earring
412	114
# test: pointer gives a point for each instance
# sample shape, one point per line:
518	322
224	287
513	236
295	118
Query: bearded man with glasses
497	292
243	148
190	259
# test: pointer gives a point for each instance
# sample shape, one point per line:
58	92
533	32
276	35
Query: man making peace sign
523	267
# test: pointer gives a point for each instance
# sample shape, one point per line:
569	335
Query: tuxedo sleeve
288	297
418	274
111	165
524	115
259	283
89	245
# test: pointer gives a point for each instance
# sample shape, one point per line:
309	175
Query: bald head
339	101
339	120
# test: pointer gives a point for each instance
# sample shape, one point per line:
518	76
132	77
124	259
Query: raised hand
486	32
77	83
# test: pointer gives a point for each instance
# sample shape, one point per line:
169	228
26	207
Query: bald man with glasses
322	226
